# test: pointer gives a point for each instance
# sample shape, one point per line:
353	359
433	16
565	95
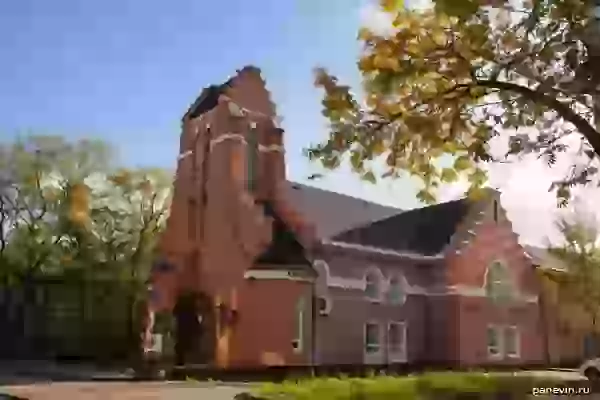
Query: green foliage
451	78
67	214
427	386
579	285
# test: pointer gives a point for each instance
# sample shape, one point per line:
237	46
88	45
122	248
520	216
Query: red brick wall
487	242
267	324
213	242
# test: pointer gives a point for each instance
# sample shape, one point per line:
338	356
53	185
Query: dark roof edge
208	94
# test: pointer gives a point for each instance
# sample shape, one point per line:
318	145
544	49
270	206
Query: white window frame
491	286
373	357
500	338
379	281
299	339
517	337
402	284
397	355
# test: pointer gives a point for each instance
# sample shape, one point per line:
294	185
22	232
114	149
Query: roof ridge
293	183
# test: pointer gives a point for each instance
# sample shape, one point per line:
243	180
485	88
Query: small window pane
396	337
498	282
396	292
372	338
372	286
493	341
511	341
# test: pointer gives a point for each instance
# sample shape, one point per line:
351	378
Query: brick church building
287	274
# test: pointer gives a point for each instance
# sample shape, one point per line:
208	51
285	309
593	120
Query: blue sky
126	70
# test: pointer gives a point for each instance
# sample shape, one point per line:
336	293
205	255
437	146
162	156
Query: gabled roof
424	230
333	213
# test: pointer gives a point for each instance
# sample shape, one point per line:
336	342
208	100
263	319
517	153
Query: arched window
499	285
373	285
396	292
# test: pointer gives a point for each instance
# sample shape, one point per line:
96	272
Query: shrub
434	386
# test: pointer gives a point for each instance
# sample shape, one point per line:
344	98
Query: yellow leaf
462	163
366	64
379	148
449	175
390	5
439	37
365	34
413	47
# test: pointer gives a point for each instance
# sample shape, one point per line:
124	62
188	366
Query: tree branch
582	125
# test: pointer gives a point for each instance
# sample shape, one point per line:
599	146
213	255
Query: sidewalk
31	371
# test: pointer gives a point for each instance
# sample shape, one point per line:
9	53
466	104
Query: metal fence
69	318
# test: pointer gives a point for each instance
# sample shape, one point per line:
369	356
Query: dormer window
373	285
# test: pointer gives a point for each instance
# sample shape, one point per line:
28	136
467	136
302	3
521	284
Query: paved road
126	391
157	390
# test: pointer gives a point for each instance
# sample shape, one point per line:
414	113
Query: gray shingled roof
424	230
332	212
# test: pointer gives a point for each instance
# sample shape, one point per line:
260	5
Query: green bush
434	386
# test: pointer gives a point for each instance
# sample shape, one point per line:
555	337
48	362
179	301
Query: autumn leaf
391	5
449	175
450	79
462	163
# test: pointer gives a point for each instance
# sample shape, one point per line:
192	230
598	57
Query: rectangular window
372	337
298	342
494	346
511	341
397	337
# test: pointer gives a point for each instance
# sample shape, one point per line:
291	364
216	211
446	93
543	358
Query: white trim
378	250
476	291
318	264
339	282
375	272
274	275
399	356
511	282
240	138
299	339
500	338
271	148
228	136
402	283
185	154
245	110
375	357
517	333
